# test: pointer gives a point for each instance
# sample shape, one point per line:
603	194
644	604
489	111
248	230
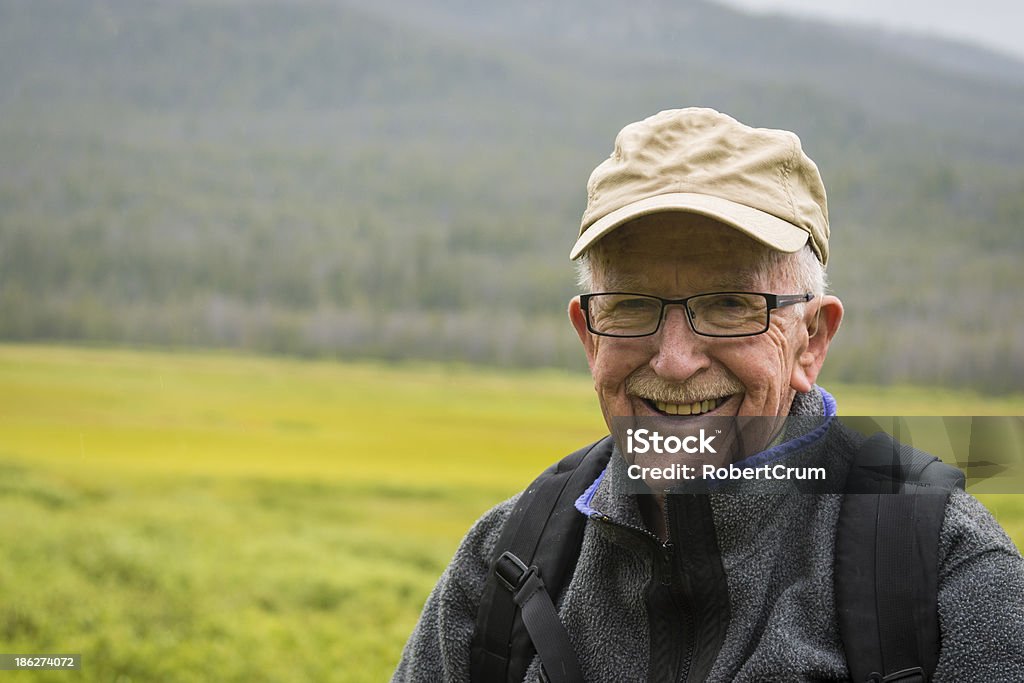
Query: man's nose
681	351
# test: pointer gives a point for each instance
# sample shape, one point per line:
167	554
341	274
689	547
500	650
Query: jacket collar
603	498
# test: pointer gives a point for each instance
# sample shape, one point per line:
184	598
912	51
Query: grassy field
183	517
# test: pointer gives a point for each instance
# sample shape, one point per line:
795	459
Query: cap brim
763	227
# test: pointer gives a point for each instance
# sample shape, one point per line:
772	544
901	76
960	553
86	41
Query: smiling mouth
696	408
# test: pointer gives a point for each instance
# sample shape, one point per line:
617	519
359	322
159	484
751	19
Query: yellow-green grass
205	516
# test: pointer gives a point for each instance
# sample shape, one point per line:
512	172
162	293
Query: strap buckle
912	675
511	571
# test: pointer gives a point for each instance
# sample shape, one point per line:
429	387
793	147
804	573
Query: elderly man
703	249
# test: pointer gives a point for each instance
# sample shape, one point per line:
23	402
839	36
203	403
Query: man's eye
636	308
731	302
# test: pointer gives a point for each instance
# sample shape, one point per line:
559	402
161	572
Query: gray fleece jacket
763	610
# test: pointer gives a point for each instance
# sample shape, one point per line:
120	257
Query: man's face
676	255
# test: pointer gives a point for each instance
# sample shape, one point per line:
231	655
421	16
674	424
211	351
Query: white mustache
646	384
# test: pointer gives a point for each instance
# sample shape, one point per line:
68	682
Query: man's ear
579	323
821	327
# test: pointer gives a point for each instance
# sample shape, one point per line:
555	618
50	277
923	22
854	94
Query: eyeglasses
716	314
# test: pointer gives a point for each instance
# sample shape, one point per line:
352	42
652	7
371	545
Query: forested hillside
404	179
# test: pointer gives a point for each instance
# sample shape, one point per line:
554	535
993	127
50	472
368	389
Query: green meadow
206	516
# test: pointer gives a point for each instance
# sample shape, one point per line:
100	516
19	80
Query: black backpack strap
884	466
886	563
540	618
533	562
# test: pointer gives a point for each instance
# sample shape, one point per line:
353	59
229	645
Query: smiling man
648	358
702	251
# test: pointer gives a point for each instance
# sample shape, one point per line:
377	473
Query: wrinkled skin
675	255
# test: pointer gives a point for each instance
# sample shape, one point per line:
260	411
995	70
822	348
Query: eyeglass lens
719	314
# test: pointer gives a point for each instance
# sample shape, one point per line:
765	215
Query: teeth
695	408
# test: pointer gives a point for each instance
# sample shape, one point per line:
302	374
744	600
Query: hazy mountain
405	178
949	55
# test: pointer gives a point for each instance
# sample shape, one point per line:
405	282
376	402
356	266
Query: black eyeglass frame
772	301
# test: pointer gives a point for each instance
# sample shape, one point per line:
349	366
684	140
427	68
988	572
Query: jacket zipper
668	583
683	605
682	609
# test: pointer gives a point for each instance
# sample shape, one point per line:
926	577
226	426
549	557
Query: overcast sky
993	23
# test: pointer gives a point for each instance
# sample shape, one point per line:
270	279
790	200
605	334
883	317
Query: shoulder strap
886	562
533	562
886	466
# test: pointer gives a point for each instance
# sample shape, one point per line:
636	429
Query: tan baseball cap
757	180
